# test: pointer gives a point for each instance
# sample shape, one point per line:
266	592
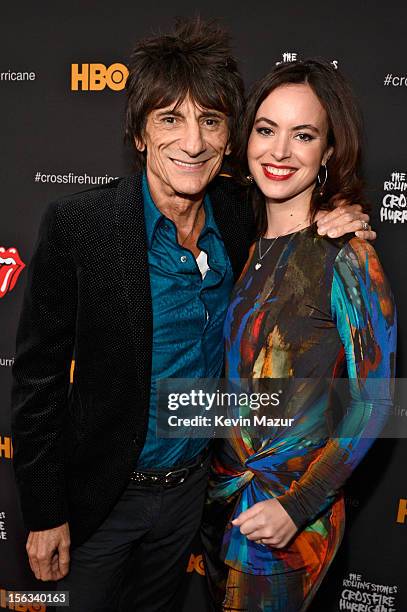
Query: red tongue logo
11	267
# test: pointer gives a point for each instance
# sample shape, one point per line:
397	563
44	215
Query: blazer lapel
133	264
226	198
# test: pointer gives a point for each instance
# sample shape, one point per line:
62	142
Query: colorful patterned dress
314	309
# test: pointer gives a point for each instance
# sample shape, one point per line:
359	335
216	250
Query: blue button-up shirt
188	316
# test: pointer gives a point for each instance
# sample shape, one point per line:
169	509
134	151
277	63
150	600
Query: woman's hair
195	60
344	132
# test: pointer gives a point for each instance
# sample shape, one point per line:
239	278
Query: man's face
185	148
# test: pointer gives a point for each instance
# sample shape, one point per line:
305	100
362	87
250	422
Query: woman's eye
304	137
264	131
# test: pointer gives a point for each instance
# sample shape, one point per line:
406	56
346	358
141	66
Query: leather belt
169	478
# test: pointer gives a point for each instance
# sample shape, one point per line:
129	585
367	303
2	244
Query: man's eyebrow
211	113
304	126
176	113
169	111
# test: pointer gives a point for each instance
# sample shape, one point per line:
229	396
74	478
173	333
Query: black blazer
88	293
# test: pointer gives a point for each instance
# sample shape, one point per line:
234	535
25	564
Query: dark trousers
137	559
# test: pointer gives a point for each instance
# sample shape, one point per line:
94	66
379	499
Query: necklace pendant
257	266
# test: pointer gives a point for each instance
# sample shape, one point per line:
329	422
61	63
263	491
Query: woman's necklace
262	256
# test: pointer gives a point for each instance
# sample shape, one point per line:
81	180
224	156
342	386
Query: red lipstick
278	177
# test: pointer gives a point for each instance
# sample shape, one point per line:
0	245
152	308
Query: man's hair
344	131
194	60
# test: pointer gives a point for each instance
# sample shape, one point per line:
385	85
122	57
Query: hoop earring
322	183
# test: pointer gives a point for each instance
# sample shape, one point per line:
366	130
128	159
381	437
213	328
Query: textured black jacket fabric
88	294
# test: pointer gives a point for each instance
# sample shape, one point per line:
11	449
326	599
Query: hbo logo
95	77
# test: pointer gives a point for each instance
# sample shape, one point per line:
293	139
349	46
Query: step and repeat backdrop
62	76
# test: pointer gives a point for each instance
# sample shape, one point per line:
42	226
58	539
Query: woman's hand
266	523
344	219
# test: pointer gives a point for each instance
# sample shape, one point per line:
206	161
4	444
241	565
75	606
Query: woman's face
288	143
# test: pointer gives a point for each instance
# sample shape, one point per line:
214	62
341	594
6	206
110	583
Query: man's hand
48	552
344	219
267	523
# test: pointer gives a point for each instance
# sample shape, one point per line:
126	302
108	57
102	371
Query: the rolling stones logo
11	267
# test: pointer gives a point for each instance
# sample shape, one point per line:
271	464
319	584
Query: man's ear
139	144
228	149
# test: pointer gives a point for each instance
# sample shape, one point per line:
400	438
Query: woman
308	307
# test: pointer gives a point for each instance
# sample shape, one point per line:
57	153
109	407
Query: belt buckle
168	476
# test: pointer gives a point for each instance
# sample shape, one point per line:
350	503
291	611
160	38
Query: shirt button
183	258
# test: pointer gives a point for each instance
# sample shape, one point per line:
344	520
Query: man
133	278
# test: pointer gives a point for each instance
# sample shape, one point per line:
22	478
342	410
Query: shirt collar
153	216
151	213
